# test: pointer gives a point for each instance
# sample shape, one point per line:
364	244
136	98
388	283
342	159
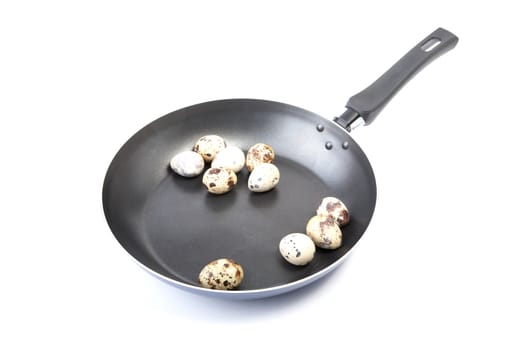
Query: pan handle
366	105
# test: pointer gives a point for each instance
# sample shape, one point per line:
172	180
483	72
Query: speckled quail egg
187	164
258	154
231	158
335	208
263	178
221	274
208	146
325	232
219	180
297	248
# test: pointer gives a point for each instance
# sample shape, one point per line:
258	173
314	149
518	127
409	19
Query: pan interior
174	226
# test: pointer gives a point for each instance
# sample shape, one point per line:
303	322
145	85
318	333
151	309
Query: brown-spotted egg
208	146
221	274
325	232
219	180
335	208
258	154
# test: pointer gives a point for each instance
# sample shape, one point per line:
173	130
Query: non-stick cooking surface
173	226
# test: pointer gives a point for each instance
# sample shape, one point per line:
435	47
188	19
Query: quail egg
297	248
325	232
263	178
231	158
187	164
208	146
219	180
258	154
335	208
221	274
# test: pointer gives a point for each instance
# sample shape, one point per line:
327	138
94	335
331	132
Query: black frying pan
172	227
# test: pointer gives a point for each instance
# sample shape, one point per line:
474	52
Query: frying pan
172	226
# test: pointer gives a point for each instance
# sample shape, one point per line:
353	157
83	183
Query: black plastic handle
368	103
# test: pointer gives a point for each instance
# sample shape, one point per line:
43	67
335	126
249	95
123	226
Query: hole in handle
430	44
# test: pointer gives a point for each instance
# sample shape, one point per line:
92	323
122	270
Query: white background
442	263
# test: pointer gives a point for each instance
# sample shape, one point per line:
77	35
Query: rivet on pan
320	127
328	145
345	145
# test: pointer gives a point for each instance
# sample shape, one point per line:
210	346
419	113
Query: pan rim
248	293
